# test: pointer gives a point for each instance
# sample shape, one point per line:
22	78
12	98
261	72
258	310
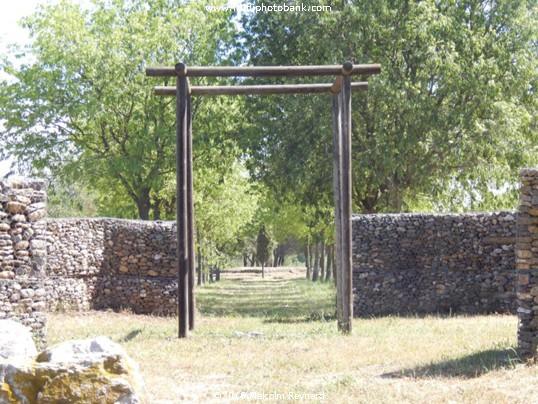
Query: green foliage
445	126
224	203
82	106
263	246
70	200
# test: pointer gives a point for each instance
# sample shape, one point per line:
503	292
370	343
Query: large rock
16	341
84	371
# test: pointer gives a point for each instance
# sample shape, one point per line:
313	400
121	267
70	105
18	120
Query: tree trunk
263	270
328	271
169	207
143	204
245	260
322	258
307	259
156	207
334	264
315	273
200	268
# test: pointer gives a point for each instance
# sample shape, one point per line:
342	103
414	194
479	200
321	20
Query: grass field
277	337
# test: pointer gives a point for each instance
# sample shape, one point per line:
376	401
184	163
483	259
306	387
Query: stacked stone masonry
112	263
403	263
23	253
434	263
527	263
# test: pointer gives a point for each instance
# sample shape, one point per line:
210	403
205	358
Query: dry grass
247	340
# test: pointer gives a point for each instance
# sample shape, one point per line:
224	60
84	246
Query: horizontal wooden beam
266	71
261	89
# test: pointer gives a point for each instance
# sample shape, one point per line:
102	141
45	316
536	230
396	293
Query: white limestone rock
16	341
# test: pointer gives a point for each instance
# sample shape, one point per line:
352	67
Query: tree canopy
444	127
82	106
447	123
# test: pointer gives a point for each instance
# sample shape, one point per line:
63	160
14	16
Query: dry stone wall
429	263
75	247
112	263
403	263
141	249
527	263
24	300
78	264
142	295
23	253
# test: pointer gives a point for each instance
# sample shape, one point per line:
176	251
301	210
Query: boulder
16	341
83	371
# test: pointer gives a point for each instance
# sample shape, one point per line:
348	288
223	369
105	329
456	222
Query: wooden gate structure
340	89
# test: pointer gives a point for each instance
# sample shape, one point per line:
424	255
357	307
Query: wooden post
341	104
337	157
190	215
347	263
182	202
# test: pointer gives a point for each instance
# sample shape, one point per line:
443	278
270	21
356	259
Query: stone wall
403	263
24	300
142	295
75	247
78	264
23	253
429	263
527	263
418	263
112	263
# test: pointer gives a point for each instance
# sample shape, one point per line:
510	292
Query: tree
70	200
82	106
263	248
224	201
447	123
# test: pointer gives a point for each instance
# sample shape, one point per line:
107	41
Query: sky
11	13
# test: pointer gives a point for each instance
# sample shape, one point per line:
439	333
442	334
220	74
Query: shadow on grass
438	314
132	335
468	367
313	316
277	301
